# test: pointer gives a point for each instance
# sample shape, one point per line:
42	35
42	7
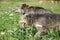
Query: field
9	26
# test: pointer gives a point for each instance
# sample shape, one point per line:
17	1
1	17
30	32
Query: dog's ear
27	6
24	5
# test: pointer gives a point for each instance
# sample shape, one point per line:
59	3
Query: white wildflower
9	7
6	12
29	35
40	2
9	31
51	7
2	33
9	11
11	14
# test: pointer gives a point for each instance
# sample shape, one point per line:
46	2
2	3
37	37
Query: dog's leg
37	34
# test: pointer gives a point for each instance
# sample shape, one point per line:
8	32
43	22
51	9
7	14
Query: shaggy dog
26	9
42	22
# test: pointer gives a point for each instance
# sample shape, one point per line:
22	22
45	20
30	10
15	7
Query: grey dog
26	9
42	22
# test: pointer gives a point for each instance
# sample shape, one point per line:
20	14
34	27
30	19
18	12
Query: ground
9	26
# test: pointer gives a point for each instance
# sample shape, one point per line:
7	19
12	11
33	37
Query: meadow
10	28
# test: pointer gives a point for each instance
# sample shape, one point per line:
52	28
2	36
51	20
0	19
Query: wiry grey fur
42	22
26	9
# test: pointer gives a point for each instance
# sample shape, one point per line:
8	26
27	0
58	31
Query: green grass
9	26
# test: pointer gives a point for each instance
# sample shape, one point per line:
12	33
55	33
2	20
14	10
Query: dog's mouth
23	25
